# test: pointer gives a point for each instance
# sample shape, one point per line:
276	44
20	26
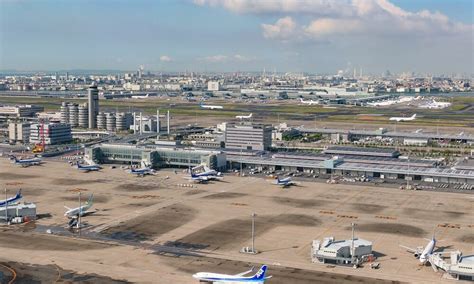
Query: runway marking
386	217
12	271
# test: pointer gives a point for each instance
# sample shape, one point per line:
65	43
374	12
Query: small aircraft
12	200
88	168
211	107
284	182
209	277
205	172
80	211
400	119
26	162
244	116
423	253
310	102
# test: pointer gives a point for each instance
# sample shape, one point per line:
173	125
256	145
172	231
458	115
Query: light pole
253	232
79	216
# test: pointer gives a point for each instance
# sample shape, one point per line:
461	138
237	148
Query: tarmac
154	230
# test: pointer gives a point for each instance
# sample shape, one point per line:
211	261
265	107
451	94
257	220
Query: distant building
19	132
54	133
93	102
248	136
213	86
20	110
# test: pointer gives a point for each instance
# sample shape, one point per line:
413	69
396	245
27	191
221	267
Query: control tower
93	103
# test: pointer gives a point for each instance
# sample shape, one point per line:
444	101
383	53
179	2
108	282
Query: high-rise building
93	102
248	136
19	132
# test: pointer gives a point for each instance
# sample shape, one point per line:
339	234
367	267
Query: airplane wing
244	273
67	207
409	249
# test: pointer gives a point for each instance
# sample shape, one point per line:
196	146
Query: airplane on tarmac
26	162
204	178
423	253
11	200
209	277
88	168
400	119
244	116
142	171
211	107
284	182
80	211
141	96
310	102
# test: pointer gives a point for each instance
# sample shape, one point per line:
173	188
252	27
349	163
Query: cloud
214	58
284	28
226	58
328	19
165	58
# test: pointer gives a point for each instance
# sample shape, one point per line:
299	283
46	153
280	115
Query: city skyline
241	35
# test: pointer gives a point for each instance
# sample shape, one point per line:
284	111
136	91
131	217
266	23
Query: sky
316	36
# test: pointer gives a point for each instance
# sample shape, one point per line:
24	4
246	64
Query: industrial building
20	110
19	132
350	252
247	136
156	156
50	133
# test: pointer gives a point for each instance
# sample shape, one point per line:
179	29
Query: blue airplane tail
260	275
18	194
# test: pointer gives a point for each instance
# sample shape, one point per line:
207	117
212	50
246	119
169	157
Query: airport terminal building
156	156
354	162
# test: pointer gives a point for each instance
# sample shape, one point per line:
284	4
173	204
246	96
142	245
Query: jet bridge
458	267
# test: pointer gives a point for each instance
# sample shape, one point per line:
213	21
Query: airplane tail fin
250	116
260	275
18	194
90	200
414	116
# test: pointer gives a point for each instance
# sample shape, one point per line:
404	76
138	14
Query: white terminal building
52	133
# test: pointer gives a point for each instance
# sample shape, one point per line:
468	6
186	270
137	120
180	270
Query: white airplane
11	200
211	107
26	162
284	182
400	119
142	171
88	168
423	253
209	277
79	211
310	102
141	97
205	178
436	105
244	116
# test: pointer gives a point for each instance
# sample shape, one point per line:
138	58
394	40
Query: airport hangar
383	164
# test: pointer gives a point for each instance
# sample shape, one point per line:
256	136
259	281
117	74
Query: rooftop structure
362	151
